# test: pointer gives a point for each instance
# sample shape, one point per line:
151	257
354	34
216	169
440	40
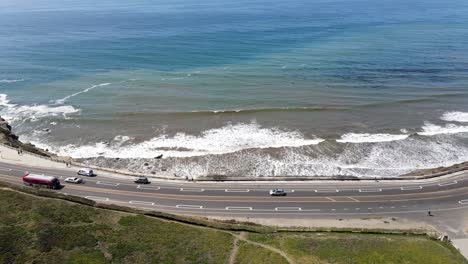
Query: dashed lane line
148	188
327	191
141	202
191	190
239	208
369	190
288	209
108	183
412	188
237	190
463	201
189	206
447	183
97	198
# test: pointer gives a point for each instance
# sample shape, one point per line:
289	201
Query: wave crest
227	139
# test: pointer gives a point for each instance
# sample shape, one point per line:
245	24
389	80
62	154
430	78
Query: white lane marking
288	209
238	208
141	202
237	190
463	201
148	188
97	198
191	190
327	191
369	190
189	206
354	199
448	183
5	169
108	183
333	200
357	208
411	188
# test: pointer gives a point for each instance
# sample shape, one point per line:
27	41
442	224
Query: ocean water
242	88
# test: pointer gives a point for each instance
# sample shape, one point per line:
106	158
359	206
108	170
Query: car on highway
142	180
277	192
74	180
86	172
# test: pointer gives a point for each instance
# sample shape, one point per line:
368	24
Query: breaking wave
430	129
461	117
227	139
20	113
63	100
372	138
11	80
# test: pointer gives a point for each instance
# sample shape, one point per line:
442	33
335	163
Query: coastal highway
252	198
446	197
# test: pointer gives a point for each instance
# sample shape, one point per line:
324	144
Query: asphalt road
445	197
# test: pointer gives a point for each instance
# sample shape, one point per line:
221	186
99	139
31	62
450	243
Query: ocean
240	88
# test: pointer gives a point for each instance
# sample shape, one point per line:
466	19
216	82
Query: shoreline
10	143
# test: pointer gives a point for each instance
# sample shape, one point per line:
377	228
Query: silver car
74	180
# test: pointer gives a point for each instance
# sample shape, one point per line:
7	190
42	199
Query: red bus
50	182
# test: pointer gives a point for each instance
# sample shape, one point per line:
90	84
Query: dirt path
243	237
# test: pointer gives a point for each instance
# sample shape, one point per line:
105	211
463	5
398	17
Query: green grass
248	254
44	230
53	231
360	248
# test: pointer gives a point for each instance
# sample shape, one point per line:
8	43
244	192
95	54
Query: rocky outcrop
10	139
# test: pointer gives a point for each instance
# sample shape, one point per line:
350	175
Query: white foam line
411	188
237	190
141	202
108	183
148	188
239	208
448	183
463	201
97	198
327	191
369	190
191	190
189	206
288	209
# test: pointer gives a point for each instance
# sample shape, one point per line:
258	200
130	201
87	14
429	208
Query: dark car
142	180
277	192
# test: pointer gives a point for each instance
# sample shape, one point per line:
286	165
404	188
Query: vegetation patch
360	248
248	254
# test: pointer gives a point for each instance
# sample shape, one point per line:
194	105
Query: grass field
360	248
43	230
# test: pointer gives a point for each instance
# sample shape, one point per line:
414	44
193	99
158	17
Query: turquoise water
298	88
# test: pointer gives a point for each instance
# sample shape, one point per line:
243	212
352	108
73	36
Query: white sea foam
63	100
364	138
430	129
11	80
13	112
227	139
461	117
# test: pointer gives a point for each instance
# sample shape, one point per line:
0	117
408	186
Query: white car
86	172
277	192
74	180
